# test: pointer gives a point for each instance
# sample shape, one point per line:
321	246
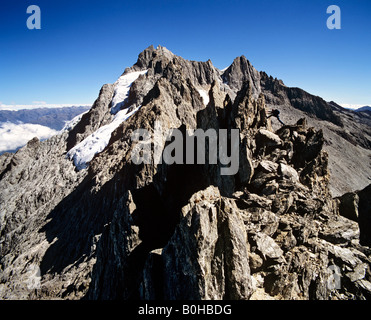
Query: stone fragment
288	172
269	138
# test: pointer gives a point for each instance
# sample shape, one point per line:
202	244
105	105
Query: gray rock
98	115
270	188
364	218
151	283
268	166
267	247
156	231
349	206
269	138
288	172
255	261
207	257
241	71
358	273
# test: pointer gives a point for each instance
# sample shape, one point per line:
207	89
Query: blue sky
84	44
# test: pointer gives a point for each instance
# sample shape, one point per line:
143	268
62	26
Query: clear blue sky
86	43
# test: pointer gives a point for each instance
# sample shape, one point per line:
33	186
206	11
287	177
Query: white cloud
39	102
13	136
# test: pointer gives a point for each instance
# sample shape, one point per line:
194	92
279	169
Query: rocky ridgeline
155	231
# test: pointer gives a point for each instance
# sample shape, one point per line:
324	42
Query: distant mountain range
54	118
19	126
363	109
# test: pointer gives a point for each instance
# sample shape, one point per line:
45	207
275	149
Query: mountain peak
125	206
241	71
146	57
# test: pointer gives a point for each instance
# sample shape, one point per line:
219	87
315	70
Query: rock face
98	116
241	71
207	256
356	206
278	94
118	230
347	133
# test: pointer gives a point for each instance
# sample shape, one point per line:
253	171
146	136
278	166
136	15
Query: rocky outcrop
278	94
36	179
240	72
364	206
157	230
207	256
98	115
356	206
357	125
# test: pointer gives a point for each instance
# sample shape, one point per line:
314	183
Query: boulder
268	138
288	172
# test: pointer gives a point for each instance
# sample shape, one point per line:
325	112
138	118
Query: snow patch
204	95
69	125
121	89
95	143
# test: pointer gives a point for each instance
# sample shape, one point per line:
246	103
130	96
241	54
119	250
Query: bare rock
268	166
288	172
184	231
269	138
349	206
241	71
364	215
220	268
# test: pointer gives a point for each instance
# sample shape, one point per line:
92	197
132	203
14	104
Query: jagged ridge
153	231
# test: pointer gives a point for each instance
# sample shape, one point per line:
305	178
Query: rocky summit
80	220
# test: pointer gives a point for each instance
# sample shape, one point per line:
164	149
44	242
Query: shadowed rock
118	230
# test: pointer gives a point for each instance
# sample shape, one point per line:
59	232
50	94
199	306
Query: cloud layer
13	136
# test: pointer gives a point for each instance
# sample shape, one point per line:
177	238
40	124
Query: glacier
96	142
122	88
